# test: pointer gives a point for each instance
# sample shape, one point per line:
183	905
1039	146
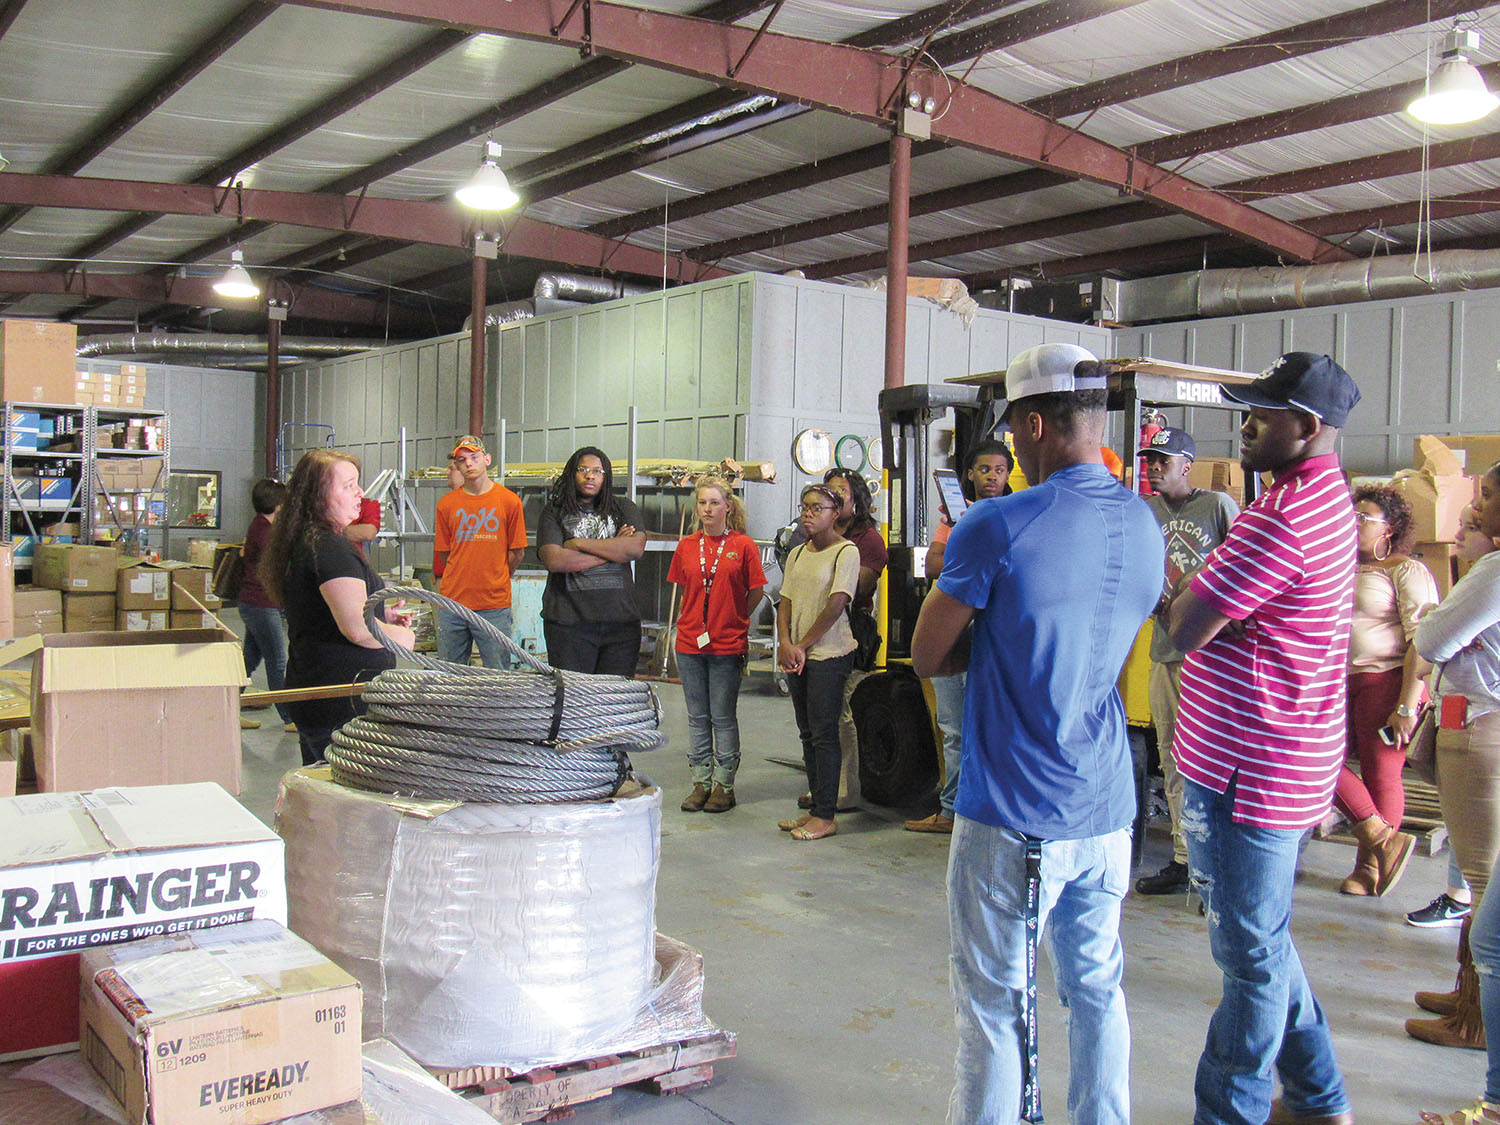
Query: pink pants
1377	790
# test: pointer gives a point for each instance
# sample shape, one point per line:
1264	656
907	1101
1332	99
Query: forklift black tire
898	763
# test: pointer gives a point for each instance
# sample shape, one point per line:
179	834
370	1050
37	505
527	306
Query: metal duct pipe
507	312
585	289
172	344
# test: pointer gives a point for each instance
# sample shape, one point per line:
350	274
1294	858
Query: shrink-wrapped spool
483	935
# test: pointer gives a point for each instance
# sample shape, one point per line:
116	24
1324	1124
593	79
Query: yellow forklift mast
899	747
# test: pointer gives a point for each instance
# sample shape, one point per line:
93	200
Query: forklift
900	748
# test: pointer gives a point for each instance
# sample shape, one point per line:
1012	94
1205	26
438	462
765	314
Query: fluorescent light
1456	93
488	189
237	281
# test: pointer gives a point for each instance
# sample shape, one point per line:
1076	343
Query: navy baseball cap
1303	381
1172	442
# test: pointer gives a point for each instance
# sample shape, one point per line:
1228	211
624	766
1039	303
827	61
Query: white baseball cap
1049	368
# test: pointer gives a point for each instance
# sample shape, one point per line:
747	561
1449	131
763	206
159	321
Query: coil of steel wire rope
530	735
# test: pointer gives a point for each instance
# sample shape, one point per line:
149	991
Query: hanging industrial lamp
1456	93
488	189
237	281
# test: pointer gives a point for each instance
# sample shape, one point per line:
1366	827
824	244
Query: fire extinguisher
1152	423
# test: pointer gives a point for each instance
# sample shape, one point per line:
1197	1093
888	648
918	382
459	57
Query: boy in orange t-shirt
480	537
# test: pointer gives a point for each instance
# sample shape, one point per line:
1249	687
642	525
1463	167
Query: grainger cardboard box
37	612
37	361
88	613
143	587
84	869
141	620
137	709
76	568
241	1025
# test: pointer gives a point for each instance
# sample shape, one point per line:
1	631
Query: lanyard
703	567
1031	1096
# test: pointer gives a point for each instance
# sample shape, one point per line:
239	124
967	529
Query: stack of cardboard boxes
118	390
1437	489
82	589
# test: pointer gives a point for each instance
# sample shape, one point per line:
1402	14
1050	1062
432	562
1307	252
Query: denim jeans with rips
711	693
1268	1016
1082	884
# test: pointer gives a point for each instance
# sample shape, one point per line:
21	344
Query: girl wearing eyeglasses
816	650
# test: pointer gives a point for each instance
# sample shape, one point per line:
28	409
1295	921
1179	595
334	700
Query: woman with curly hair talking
1392	592
323	580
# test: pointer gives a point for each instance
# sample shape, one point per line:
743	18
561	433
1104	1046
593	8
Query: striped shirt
1268	705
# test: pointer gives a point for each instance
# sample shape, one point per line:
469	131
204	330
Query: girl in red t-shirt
718	568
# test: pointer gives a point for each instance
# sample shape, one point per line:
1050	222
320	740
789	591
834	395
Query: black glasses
812	509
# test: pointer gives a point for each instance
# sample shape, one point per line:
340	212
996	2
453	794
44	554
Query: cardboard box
193	588
191	619
141	620
243	1024
37	361
7	591
143	586
137	709
1477	452
201	552
18	746
79	870
30	490
37	612
1436	502
88	613
9	773
1440	558
76	568
1220	474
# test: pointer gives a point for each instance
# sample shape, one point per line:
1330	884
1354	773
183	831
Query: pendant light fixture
237	282
1456	93
488	189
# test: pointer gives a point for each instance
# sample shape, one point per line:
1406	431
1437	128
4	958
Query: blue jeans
265	639
711	691
1083	882
1484	944
1268	1014
948	691
817	697
456	640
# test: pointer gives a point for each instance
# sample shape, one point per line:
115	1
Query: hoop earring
1378	556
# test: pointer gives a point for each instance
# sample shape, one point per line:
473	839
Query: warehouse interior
736	223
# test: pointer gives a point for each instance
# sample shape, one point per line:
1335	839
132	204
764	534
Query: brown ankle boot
1464	1027
1364	878
1438	1003
695	800
1387	848
720	800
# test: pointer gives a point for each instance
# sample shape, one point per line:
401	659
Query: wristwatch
1406	712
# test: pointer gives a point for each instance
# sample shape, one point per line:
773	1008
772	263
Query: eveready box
241	1025
84	869
137	709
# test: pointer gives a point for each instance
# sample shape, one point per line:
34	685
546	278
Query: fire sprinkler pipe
273	393
896	262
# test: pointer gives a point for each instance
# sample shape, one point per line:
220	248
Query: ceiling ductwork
167	346
1239	292
554	292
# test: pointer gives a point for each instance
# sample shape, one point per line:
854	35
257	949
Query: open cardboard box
137	709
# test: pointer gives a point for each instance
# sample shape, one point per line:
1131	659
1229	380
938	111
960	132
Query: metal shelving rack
37	513
141	528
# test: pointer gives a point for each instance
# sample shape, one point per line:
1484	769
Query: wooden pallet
549	1094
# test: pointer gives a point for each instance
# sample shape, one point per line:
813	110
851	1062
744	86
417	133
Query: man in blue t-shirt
1056	581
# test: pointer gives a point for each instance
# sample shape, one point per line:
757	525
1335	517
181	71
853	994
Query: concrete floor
829	959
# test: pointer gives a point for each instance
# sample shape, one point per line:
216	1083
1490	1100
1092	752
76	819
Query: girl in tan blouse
1391	593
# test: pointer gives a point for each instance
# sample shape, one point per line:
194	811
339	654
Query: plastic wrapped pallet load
483	935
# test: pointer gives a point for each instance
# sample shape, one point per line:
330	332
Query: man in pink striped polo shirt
1260	740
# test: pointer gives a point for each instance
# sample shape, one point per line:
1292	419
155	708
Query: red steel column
476	347
273	394
895	270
